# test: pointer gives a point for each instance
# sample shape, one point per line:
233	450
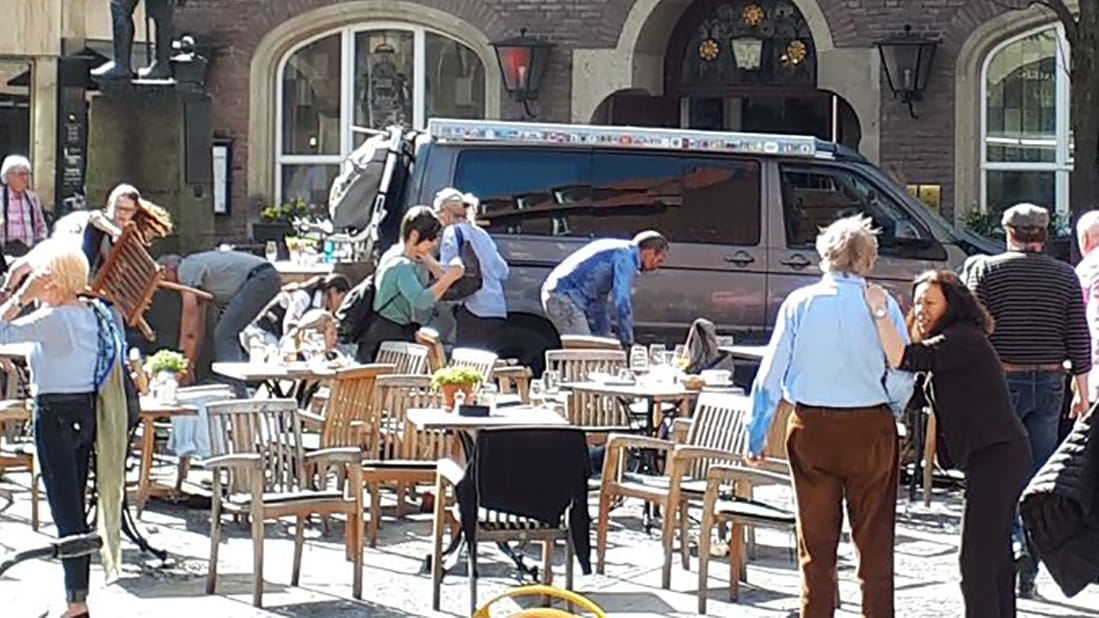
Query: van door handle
797	261
740	258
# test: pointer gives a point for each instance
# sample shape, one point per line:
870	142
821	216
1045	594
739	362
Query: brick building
294	82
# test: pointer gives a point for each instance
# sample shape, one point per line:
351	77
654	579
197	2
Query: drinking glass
552	379
639	359
656	353
487	396
537	393
271	251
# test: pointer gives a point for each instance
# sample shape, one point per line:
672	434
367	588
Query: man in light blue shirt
574	295
825	359
481	316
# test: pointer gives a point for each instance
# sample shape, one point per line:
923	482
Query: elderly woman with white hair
23	224
1087	235
825	359
74	363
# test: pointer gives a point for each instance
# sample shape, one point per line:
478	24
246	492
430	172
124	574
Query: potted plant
277	222
450	380
166	367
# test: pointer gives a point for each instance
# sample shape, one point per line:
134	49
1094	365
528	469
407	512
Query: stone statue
122	21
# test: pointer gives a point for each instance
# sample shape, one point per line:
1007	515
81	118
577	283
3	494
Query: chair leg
215	540
736	561
375	512
437	548
402	496
355	521
570	556
471	551
183	468
257	558
684	542
299	541
667	531
547	562
601	532
704	559
35	496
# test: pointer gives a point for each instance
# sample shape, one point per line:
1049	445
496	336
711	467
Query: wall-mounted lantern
907	60
522	63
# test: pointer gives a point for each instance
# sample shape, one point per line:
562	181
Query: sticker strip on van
445	130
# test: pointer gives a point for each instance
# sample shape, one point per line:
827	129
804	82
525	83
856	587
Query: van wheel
527	339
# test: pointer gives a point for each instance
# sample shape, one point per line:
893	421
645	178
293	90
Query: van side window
814	197
527	191
695	200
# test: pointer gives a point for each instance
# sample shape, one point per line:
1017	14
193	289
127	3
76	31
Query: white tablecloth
191	434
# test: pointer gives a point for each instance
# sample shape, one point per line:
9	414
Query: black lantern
522	62
907	60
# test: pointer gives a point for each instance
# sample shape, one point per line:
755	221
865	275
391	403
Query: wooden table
510	416
272	375
293	272
152	411
653	394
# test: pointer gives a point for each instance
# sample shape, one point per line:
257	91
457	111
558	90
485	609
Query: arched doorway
742	65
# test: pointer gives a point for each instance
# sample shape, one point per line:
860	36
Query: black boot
122	41
161	68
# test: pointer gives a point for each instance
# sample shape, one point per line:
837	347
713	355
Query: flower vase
168	385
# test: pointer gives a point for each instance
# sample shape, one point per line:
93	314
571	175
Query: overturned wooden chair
129	278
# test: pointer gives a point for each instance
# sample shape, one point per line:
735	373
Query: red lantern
522	62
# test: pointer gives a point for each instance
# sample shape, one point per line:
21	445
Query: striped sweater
1036	303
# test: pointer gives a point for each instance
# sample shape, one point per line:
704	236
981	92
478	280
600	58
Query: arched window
334	88
1026	153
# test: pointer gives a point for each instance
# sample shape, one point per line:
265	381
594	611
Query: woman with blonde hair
124	206
79	399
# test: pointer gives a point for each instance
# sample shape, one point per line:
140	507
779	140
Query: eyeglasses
23	173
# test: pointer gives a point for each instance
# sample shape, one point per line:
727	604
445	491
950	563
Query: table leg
144	479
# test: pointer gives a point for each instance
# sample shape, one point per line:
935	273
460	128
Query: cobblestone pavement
926	565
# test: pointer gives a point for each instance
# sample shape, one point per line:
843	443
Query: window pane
1022	100
311	99
1007	188
308	182
689	200
384	78
813	198
528	192
455	79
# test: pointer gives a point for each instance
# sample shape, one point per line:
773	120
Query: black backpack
356	311
471	281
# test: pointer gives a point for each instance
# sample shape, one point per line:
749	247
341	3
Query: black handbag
471	281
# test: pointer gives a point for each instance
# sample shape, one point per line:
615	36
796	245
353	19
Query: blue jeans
1037	397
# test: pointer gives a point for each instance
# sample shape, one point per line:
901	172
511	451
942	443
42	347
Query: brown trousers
836	454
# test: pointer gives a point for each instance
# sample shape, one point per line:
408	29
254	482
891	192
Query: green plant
297	243
291	212
167	360
459	376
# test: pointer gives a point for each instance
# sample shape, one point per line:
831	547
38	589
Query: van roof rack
500	132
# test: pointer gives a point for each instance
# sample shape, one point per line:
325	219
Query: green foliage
987	223
167	360
291	211
461	376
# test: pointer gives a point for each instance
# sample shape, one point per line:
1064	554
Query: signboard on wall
72	149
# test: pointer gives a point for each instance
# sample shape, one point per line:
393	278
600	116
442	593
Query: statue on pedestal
122	21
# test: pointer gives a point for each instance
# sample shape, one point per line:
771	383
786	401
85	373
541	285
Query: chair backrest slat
482	361
269	427
720	422
585	409
350	418
407	358
395	395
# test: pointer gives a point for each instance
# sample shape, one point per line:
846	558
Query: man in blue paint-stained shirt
575	293
825	359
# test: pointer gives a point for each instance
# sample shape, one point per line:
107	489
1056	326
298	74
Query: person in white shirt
481	316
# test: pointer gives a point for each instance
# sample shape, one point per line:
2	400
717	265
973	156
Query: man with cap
1040	321
574	295
480	317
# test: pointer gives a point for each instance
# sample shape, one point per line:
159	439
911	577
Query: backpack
356	311
471	281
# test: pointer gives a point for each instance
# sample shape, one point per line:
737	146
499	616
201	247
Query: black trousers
995	477
380	330
64	434
477	332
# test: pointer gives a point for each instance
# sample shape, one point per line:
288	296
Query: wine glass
552	379
656	353
537	393
271	251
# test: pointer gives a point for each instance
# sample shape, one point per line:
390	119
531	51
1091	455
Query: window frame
347	90
929	249
1063	162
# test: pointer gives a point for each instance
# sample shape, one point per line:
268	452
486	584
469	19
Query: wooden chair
256	445
408	358
130	276
348	415
511	378
484	362
406	455
586	342
594	413
17	447
717	434
436	357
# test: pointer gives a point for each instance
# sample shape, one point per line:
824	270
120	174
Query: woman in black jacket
972	403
